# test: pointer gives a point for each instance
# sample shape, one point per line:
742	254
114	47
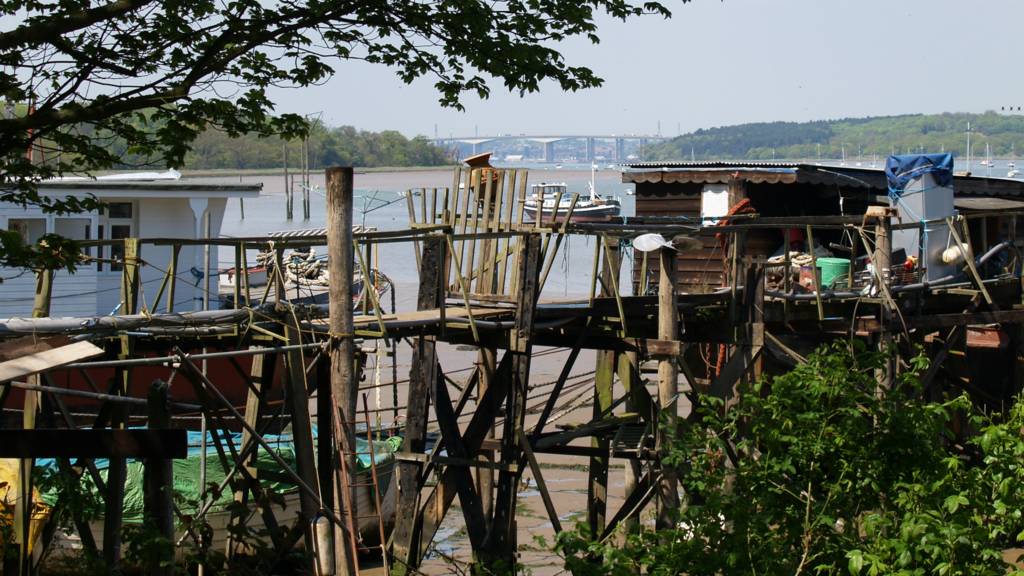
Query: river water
570	274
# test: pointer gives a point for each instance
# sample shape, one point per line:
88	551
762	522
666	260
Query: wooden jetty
482	271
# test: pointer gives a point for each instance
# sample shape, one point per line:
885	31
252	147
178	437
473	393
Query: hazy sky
726	62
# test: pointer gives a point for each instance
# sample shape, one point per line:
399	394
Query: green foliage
820	471
344	146
86	82
860	137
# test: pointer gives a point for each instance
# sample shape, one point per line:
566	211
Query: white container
922	199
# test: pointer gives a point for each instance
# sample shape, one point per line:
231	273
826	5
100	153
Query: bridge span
548	141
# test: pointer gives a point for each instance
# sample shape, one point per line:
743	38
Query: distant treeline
344	146
858	137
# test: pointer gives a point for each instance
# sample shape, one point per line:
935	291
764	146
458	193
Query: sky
723	62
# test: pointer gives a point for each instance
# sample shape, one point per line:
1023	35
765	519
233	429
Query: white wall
73	294
88	292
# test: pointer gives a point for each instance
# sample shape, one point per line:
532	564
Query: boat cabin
549	190
146	206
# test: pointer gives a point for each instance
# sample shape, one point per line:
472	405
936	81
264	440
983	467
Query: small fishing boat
553	202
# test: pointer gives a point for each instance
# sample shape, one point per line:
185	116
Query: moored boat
553	202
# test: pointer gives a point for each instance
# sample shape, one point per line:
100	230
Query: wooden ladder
356	546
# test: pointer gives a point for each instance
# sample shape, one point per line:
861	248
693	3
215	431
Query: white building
136	206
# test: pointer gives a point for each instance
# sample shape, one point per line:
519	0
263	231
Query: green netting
186	474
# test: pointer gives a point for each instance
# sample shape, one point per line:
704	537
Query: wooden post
130	277
172	273
629	376
117	467
158	483
302	432
604	382
883	257
486	363
23	505
409	474
287	185
500	544
344	380
668	378
260	374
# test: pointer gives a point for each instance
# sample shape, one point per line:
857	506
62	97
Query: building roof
148	189
799	173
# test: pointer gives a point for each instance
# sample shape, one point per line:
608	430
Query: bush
820	471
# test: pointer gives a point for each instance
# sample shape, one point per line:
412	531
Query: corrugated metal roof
800	172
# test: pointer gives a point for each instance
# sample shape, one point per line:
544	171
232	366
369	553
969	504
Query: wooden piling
883	259
409	474
344	380
668	381
604	382
158	483
500	545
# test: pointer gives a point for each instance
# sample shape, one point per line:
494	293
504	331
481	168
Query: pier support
604	382
668	383
549	151
344	388
406	550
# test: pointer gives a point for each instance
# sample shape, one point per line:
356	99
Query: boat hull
589	214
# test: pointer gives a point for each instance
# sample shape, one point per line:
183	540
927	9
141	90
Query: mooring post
158	483
344	383
668	381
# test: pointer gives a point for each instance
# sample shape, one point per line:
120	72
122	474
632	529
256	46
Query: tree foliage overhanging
155	74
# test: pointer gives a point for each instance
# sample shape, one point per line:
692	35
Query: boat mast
968	147
592	171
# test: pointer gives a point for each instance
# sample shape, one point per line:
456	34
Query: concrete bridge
548	141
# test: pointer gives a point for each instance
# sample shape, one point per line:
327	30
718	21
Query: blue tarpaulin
900	170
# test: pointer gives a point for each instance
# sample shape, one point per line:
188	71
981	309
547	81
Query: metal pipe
206	356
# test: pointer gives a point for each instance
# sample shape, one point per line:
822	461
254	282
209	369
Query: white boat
550	201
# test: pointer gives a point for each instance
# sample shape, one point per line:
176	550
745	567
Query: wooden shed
704	191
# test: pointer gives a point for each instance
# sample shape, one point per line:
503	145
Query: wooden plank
302	432
635	501
542	486
472	509
92	443
47	359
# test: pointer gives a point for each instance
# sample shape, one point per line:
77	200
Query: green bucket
831	269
